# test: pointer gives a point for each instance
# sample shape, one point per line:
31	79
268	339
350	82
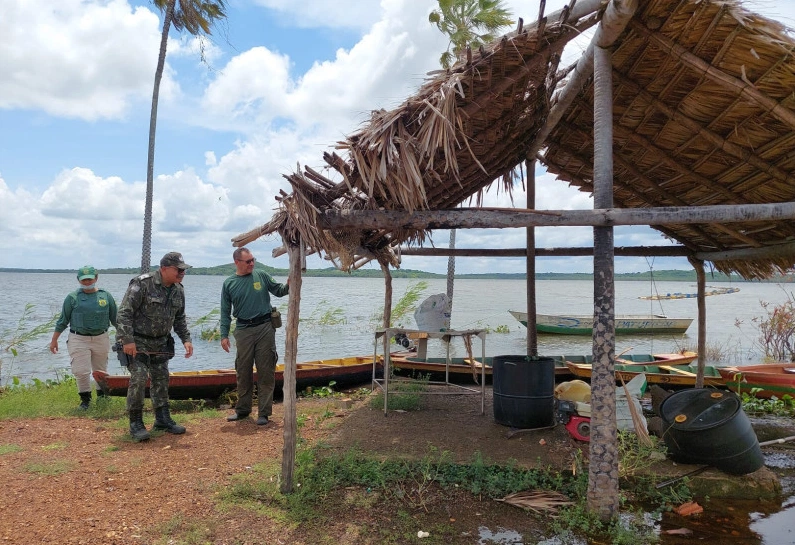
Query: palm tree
195	17
468	23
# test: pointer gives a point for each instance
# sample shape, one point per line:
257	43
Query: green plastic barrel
709	427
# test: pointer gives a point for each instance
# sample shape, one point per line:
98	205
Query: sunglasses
180	272
248	261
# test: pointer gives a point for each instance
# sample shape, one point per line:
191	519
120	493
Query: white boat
571	324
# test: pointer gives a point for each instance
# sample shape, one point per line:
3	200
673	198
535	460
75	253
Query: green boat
627	324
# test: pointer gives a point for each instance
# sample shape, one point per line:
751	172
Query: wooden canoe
765	380
462	369
212	383
626	324
669	375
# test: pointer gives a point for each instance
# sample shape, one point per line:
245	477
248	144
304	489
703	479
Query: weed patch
55	467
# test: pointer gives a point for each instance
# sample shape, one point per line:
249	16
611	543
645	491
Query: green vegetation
404	394
777	329
9	449
13	340
759	406
56	467
325	315
331	485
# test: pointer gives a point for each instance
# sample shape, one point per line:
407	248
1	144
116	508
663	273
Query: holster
170	347
124	359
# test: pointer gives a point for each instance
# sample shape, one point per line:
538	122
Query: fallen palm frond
537	500
471	358
638	420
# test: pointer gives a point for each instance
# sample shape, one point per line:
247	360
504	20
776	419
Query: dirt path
80	480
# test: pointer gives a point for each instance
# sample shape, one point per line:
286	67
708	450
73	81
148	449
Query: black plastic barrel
706	426
524	389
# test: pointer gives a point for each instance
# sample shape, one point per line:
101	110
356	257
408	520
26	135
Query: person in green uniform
88	312
153	305
246	296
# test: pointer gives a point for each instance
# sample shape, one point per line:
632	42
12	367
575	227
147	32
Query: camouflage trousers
145	367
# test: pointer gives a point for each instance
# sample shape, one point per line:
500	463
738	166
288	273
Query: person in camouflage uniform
153	305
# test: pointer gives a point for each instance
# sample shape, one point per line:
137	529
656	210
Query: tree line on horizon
671	275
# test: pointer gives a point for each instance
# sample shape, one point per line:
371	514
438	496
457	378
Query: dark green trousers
256	347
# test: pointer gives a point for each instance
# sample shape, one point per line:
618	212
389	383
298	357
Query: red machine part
579	427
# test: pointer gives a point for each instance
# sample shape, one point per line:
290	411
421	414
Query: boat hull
624	324
460	370
213	383
673	373
765	380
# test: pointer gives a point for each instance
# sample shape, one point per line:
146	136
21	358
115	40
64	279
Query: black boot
137	428
163	421
85	401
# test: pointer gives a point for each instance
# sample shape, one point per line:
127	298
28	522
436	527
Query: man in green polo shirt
246	296
88	312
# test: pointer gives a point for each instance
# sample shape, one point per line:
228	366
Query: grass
51	468
9	448
332	486
404	394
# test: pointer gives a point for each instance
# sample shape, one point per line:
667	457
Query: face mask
89	287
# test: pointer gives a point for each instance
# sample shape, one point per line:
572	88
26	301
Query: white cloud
75	58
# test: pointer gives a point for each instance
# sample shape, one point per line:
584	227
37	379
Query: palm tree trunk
602	494
146	251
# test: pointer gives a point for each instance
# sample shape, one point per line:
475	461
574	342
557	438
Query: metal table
386	334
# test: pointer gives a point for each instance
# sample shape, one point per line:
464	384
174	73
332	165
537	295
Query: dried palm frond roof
463	130
704	113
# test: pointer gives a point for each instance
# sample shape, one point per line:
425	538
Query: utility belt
167	339
259	320
155	337
88	334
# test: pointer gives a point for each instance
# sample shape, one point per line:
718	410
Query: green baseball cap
86	271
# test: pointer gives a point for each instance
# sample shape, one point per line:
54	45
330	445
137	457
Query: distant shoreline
673	275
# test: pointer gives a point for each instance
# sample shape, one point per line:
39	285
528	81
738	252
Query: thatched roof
704	113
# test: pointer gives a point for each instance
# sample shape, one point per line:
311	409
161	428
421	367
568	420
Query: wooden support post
387	320
701	290
387	295
290	357
532	332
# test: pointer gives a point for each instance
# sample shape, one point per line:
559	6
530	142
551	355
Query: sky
281	82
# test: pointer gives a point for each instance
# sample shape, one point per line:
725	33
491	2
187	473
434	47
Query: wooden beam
743	254
629	251
766	252
499	218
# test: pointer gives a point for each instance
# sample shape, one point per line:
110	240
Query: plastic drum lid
700	409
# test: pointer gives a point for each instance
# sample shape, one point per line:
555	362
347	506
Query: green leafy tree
196	17
468	23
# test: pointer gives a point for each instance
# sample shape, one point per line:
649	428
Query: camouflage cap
174	259
86	271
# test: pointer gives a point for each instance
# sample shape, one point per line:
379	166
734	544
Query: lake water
359	302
